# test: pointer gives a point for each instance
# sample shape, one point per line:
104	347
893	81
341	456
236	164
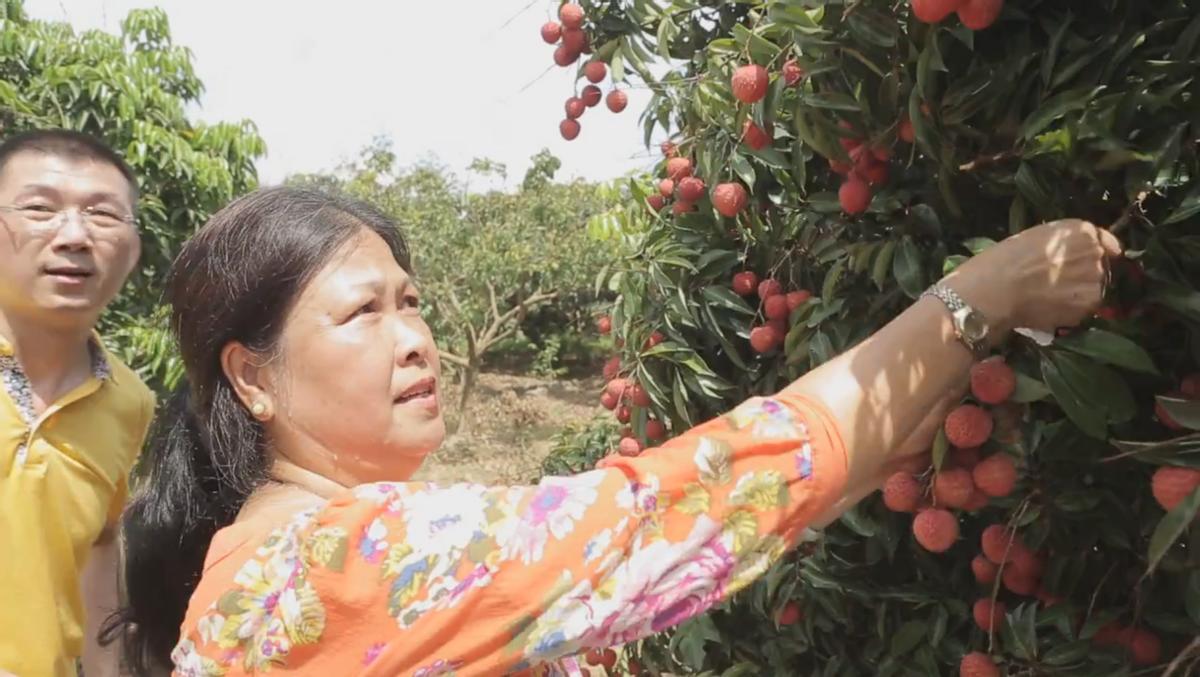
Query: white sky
440	77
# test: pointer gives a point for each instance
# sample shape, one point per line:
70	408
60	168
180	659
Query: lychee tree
844	156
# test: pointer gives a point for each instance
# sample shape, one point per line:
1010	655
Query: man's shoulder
128	385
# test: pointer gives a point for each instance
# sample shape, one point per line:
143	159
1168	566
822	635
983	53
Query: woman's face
355	393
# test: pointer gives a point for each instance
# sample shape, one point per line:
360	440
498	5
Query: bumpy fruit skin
769	287
691	189
749	83
977	664
574	41
849	143
604	324
595	71
619	387
654	339
978	15
571	15
616	100
792	73
655	429
933	11
569	129
656	202
854	196
1019	583
745	282
984	570
666	187
1171	485
591	96
995	544
1144	646
790	614
797	298
953	488
565	57
966	459
776	307
682	207
551	32
678	168
988	615
968	426
765	338
729	199
993	381
629	446
624	414
906	132
574	107
902	492
876	173
754	136
996	475
612	368
978	501
936	530
608	401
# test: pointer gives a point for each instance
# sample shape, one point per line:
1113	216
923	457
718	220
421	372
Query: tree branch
492	334
985	161
457	361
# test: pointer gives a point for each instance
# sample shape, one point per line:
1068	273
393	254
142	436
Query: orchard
823	164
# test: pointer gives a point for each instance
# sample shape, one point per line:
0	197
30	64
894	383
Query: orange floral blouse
423	580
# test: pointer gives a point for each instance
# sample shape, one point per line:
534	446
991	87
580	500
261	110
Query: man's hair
70	144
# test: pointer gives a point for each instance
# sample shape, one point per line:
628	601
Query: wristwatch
970	325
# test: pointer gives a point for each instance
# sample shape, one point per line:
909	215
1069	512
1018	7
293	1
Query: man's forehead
32	169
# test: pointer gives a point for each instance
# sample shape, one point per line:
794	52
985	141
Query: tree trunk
469	372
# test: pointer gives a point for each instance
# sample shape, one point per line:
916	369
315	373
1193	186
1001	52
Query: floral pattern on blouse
417	579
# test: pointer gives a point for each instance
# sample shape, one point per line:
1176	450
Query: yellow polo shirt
62	481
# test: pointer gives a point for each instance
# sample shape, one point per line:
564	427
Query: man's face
64	251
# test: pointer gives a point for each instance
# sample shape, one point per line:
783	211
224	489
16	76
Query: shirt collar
101	359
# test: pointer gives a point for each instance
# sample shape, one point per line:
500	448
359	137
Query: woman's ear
249	378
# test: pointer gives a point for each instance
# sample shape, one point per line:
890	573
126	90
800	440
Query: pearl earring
258	409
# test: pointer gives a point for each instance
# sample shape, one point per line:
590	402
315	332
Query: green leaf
1185	412
1082	413
831	101
907	637
940	445
1109	348
883	263
1029	389
725	298
907	269
1056	107
1170	528
977	245
742	167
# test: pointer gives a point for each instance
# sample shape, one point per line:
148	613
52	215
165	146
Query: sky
446	80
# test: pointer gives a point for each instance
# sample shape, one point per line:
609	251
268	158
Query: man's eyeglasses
43	220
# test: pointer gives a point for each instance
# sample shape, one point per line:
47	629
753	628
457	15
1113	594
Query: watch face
973	326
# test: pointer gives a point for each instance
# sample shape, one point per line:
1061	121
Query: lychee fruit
619	387
571	15
624	414
849	143
730	198
968	426
953	488
616	100
656	202
595	71
776	307
765	338
978	501
977	664
790	614
591	96
901	492
839	167
795	299
654	339
936	530
769	287
666	187
1171	485
682	207
906	132
630	446
655	429
574	40
854	196
745	283
639	396
996	475
612	368
993	381
574	107
875	174
601	658
551	32
988	614
995	543
691	189
979	14
569	129
1145	646
793	73
669	149
604	324
1018	582
678	168
1026	561
608	401
750	83
565	57
966	459
1189	387
984	570
754	136
933	11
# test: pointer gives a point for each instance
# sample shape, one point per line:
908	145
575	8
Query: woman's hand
1049	276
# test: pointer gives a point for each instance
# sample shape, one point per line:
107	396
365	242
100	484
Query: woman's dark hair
235	280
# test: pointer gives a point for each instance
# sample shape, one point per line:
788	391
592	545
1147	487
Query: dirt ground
508	427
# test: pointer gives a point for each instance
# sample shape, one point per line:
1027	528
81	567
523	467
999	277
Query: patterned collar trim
14	381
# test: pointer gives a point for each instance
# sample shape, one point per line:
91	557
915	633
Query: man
72	417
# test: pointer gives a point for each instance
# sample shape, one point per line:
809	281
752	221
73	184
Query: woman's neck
290	490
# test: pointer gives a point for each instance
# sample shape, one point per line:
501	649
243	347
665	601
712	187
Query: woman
277	530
